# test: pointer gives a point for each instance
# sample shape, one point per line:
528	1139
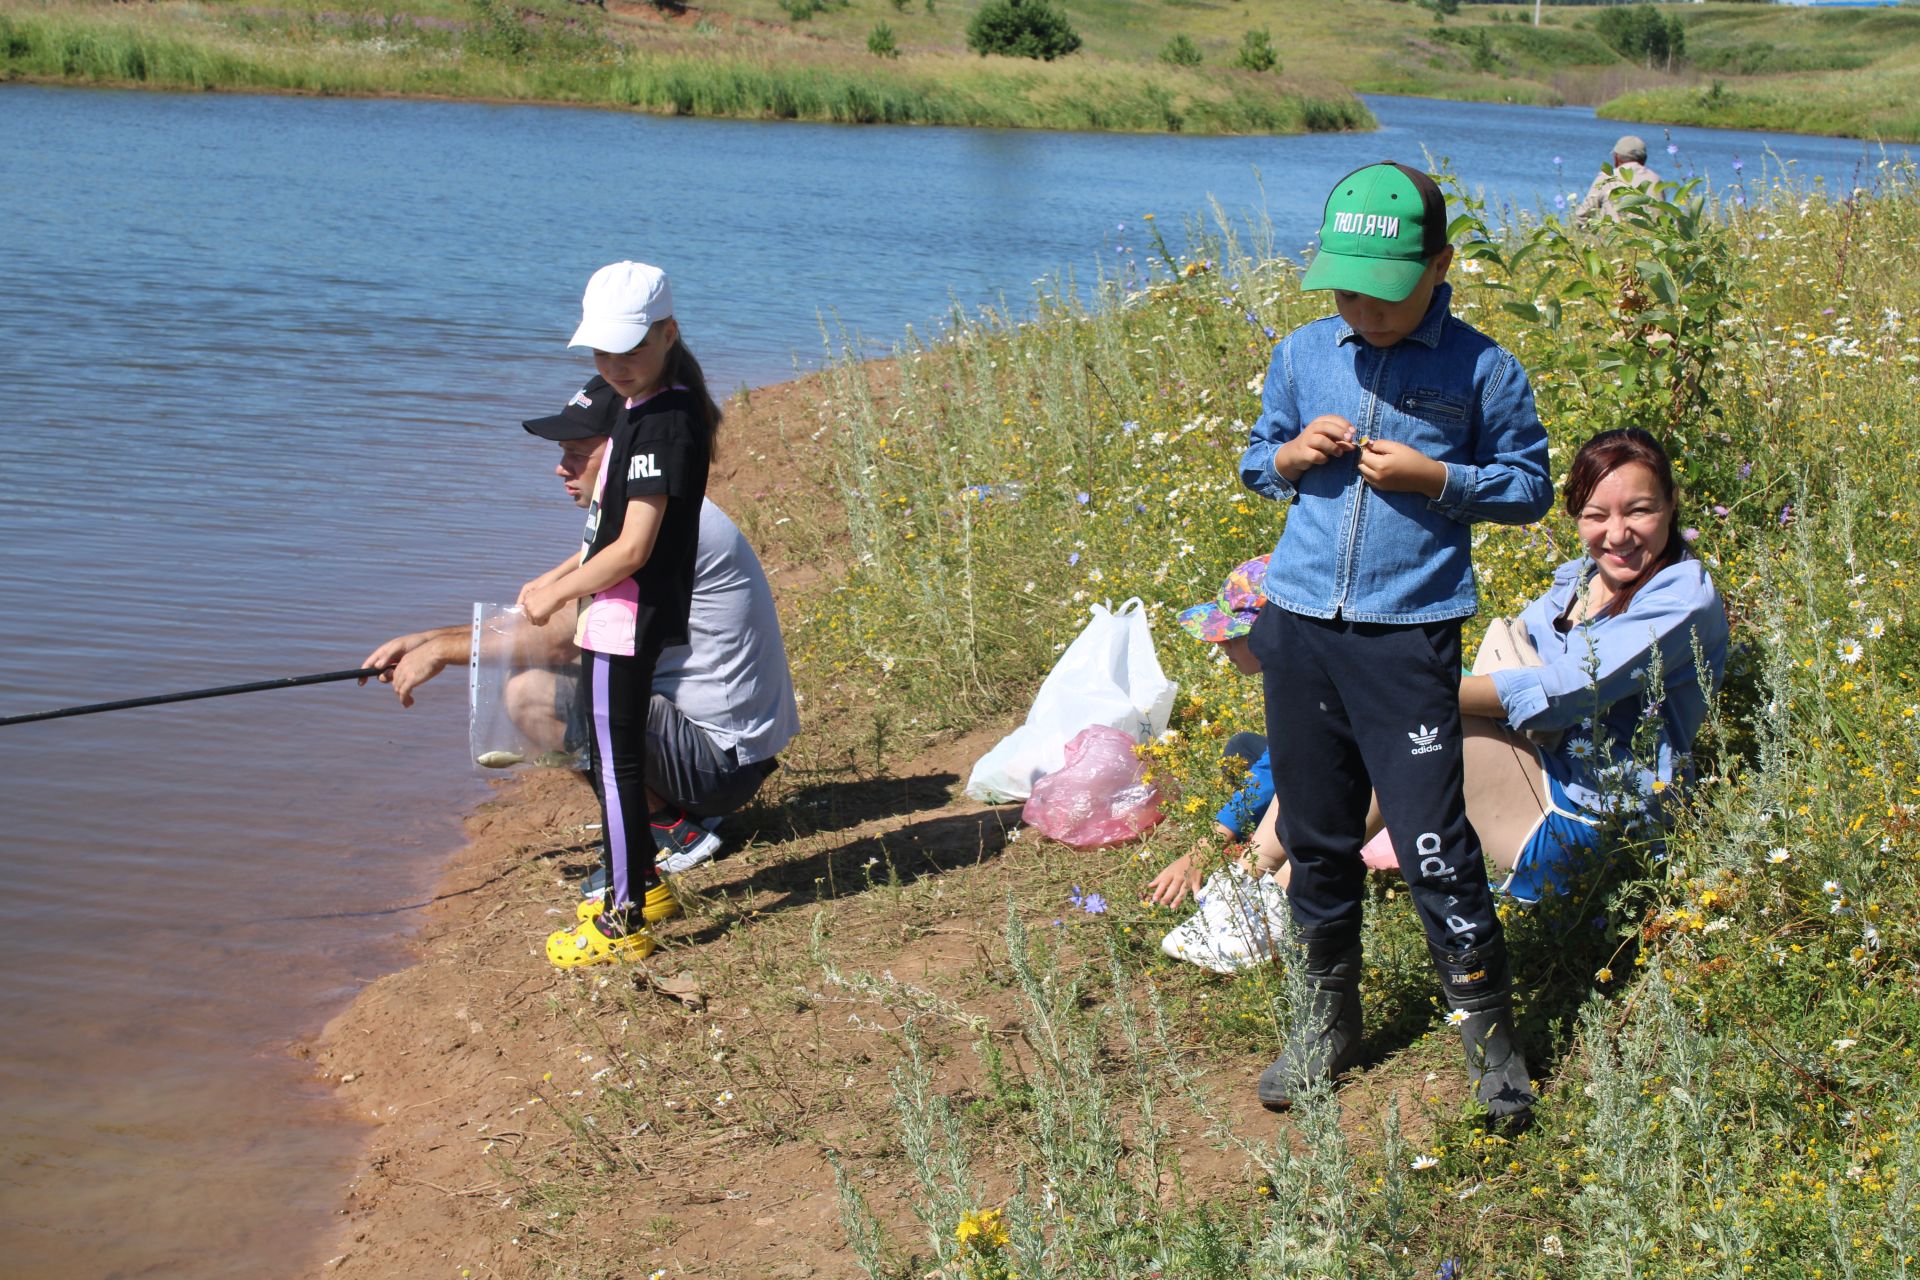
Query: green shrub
1639	31
880	41
1256	51
1181	52
1021	29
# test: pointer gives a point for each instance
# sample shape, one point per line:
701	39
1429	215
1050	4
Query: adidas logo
1425	740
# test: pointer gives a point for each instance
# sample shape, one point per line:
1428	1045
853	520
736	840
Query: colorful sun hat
1232	612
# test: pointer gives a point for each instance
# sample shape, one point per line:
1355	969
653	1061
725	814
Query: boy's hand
1327	437
1393	467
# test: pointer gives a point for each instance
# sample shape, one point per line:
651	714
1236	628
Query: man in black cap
1629	169
722	706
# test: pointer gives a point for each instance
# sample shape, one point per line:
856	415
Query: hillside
1848	71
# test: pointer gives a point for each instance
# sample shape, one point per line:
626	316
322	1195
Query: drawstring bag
1099	797
1108	676
523	693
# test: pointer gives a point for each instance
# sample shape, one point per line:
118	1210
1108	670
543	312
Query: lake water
261	366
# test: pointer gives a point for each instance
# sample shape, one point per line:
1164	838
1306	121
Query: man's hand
414	670
391	652
1327	437
1393	467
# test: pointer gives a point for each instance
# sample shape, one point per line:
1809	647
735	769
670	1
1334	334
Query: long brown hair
682	370
1605	454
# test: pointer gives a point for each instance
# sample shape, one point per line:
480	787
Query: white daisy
1876	627
1849	650
1843	1044
1777	855
1580	748
1457	1017
1424	1161
1830	886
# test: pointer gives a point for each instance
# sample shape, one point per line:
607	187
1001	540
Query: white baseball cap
622	302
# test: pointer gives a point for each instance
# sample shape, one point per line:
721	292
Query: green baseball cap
1382	223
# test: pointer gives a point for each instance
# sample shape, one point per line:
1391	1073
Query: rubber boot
1477	984
1325	1038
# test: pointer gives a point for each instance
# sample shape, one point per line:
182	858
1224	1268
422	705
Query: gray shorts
686	766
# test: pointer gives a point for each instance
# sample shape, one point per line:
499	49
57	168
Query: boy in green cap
1387	430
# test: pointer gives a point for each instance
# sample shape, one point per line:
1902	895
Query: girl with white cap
635	571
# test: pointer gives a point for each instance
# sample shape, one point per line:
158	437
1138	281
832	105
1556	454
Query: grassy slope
1854	72
1849	72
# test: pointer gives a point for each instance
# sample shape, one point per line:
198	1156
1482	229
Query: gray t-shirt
731	678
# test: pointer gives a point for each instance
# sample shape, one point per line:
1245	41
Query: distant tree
880	41
1021	29
1640	32
1181	52
1256	51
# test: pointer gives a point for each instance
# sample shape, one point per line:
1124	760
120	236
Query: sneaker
659	904
584	945
683	843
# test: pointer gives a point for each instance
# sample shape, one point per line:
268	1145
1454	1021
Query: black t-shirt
660	449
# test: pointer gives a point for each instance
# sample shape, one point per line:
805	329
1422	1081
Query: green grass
1854	72
1775	67
1727	1026
553	52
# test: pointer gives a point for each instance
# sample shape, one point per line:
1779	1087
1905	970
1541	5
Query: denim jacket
1596	677
1447	390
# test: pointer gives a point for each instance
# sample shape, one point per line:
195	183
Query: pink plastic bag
1099	797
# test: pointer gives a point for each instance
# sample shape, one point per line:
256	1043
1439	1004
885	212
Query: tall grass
1726	1025
511	53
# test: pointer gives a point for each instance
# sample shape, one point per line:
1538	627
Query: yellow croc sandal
659	904
584	944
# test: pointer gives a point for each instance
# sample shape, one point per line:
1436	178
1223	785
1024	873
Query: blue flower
1557	162
1094	905
1738	164
1129	426
1083	497
1673	148
1449	1270
1073	559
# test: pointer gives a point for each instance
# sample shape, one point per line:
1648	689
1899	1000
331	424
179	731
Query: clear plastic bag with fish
523	691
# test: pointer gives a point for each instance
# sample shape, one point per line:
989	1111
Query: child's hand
539	603
1171	886
1327	437
1393	467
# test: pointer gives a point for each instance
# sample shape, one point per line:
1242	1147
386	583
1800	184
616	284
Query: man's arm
414	659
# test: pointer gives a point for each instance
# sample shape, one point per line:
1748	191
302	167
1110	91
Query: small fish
555	759
498	759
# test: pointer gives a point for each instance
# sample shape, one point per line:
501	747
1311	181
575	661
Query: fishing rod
284	682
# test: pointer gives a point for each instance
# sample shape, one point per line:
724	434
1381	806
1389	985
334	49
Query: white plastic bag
1242	921
1109	676
523	694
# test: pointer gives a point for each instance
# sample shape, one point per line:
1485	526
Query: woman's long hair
1605	454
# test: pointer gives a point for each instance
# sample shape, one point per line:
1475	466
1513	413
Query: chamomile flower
1849	650
1876	627
1457	1017
1777	856
1424	1161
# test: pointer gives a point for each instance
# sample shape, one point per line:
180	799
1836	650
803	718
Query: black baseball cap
593	411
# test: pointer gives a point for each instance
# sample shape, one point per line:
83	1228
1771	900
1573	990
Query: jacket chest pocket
1430	419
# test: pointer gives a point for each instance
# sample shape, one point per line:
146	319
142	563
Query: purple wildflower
1557	162
1268	330
1786	515
1073	559
1690	535
1738	164
1083	497
1449	1270
1746	469
1673	148
1559	202
1719	510
1129	426
1094	905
